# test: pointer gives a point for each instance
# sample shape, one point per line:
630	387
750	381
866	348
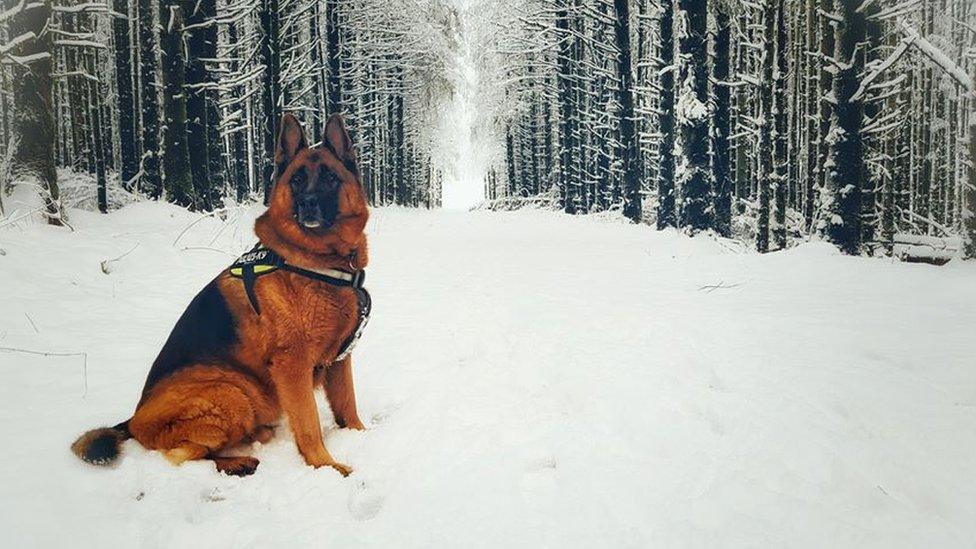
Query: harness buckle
358	278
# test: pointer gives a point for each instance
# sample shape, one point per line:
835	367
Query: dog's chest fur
297	315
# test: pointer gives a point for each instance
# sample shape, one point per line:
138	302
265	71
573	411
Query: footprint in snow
365	501
383	415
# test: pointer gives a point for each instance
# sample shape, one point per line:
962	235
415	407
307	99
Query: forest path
529	379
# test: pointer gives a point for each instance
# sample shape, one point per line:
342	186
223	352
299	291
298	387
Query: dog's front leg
342	395
292	374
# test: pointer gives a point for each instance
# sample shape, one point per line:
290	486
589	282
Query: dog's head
318	204
315	175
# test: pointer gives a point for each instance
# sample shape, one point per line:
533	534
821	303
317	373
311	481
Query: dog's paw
343	469
241	466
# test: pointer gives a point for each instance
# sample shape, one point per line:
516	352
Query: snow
939	58
529	380
463	132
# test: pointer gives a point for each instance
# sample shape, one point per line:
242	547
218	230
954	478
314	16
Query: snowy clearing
529	379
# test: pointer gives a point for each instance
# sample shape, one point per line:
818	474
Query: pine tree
846	147
34	122
270	91
693	171
151	180
722	123
766	172
199	15
176	156
666	209
127	111
780	137
567	138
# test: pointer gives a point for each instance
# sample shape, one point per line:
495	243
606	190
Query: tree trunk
128	150
176	155
969	194
721	153
846	147
197	81
766	173
666	213
271	91
334	93
151	180
826	82
629	149
780	131
566	113
97	146
693	166
34	121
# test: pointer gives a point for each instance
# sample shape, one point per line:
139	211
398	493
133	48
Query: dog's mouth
314	214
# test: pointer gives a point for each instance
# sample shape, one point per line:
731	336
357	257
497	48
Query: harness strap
261	261
335	277
249	278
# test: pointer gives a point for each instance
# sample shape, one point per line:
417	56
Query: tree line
180	99
854	120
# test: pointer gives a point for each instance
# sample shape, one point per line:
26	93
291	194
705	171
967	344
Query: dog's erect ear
338	138
291	139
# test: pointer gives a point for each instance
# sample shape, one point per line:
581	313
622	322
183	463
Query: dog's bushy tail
101	446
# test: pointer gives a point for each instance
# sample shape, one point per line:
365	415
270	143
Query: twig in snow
107	264
208	248
31	320
720	286
84	357
18	218
218	212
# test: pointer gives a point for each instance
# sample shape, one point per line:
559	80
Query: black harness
261	261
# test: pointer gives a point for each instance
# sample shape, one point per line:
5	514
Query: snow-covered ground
529	380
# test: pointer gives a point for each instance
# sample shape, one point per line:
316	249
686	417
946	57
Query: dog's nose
308	202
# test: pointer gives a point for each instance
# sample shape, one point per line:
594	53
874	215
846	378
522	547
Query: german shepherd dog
227	373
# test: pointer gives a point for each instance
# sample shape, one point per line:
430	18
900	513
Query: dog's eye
298	180
328	179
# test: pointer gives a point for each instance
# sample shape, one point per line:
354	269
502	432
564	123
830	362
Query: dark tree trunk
969	194
846	147
780	116
128	150
693	181
151	181
271	91
97	146
219	172
400	160
666	213
238	145
722	117
767	127
629	148
334	95
872	108
566	114
813	117
34	123
510	156
826	81
176	156
198	80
